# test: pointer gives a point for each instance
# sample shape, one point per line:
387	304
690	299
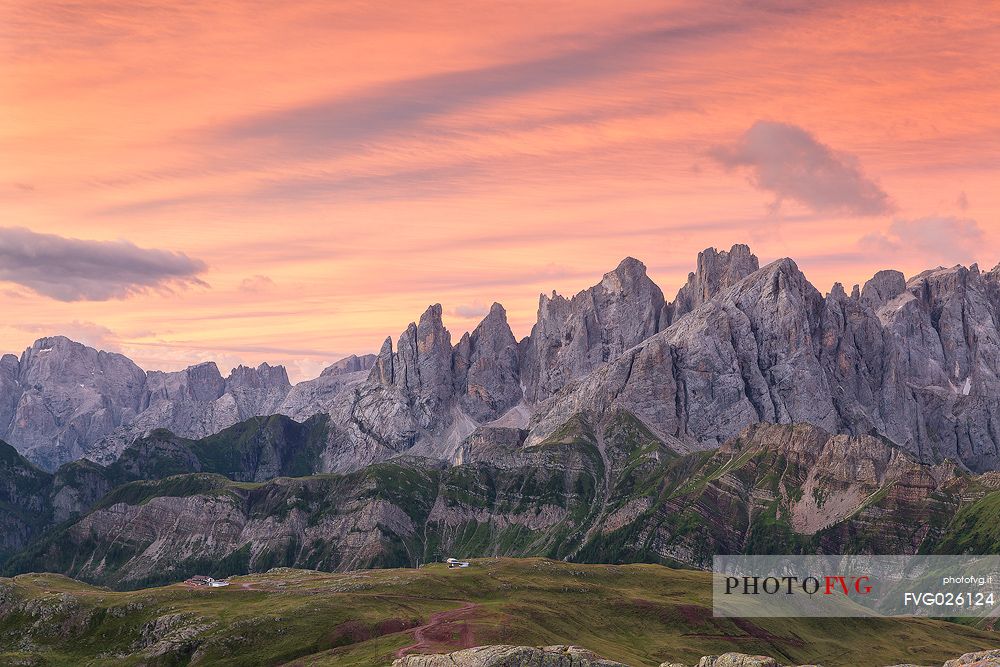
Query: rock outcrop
717	271
330	390
977	659
486	368
574	336
572	656
511	656
883	287
747	355
67	396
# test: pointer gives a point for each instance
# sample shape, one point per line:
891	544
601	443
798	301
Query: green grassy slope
975	529
639	614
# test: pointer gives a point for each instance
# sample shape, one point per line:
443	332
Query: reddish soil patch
753	632
392	626
349	632
354	632
693	614
449	628
669	614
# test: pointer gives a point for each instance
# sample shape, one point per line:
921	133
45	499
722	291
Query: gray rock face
574	336
717	270
196	402
946	333
66	396
62	400
329	390
10	390
76	487
407	400
922	369
487	378
883	288
746	356
348	365
426	396
510	656
260	390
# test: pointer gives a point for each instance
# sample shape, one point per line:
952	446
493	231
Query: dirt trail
438	630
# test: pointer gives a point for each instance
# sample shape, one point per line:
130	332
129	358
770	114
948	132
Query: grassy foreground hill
639	614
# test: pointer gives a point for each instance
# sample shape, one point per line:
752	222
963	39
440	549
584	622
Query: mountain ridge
915	360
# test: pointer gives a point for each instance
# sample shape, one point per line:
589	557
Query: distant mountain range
915	361
750	414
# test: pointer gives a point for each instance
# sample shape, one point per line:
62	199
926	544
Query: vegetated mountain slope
594	491
638	614
916	361
24	500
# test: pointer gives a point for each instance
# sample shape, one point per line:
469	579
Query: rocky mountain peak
716	271
200	382
264	376
422	363
383	371
948	319
573	336
352	364
838	292
486	367
882	288
630	272
991	281
65	396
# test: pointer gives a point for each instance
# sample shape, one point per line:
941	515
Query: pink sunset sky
292	181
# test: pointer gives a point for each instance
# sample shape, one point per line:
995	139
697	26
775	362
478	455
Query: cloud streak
791	163
343	124
939	239
70	269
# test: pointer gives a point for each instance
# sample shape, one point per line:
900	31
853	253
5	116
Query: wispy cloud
256	284
88	333
469	311
791	163
70	269
936	239
348	123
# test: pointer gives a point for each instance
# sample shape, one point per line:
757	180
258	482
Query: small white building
201	580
